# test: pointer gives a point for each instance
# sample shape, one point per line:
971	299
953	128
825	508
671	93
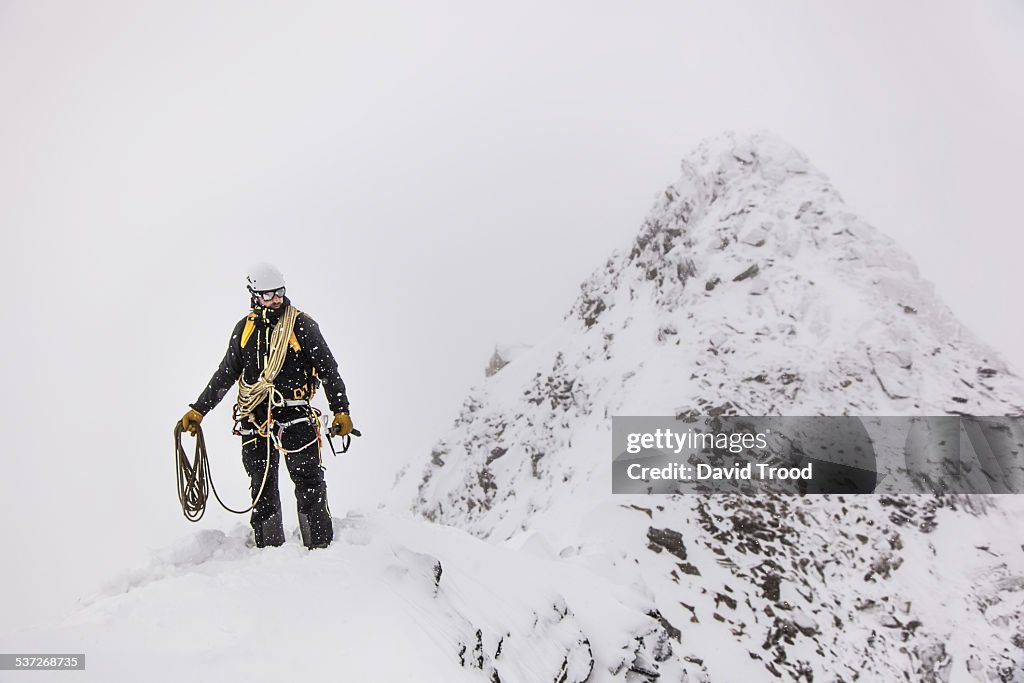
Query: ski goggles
270	294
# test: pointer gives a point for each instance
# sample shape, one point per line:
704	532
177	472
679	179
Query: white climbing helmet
263	277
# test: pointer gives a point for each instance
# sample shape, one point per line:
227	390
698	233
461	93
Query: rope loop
195	482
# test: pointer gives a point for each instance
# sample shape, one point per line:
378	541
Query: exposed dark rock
693	613
665	332
437	573
688	568
748	273
478	650
720	598
770	587
668	539
535	459
495	364
671	630
646	511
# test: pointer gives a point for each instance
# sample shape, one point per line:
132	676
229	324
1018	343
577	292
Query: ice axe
345	440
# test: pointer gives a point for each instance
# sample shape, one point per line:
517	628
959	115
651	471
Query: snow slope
391	600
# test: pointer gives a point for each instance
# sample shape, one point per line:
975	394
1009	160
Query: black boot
269	532
317	530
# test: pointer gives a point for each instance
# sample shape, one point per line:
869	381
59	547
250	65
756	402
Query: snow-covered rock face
752	289
755	267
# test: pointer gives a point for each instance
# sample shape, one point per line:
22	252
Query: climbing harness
273	430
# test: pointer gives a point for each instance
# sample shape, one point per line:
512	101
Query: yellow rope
251	395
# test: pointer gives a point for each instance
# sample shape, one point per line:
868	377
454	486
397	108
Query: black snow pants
306	473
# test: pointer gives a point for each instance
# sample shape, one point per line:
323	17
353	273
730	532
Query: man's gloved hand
342	425
191	420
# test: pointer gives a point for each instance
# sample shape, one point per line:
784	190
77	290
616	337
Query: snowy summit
750	289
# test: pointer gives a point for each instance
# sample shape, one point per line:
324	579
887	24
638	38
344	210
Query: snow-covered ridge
751	288
393	599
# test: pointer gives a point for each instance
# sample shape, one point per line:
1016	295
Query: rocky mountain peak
751	288
752	253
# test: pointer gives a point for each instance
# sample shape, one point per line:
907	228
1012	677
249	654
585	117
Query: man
279	358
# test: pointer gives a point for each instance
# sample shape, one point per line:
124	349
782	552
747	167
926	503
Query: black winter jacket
303	369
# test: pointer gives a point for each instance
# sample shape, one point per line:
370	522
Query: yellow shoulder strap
250	325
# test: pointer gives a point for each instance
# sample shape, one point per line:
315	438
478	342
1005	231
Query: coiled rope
194	480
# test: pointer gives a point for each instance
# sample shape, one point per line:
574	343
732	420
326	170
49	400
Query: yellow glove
191	420
342	425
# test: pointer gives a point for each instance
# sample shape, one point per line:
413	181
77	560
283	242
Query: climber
279	358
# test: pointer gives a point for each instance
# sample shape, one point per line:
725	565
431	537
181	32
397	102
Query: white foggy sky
432	180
